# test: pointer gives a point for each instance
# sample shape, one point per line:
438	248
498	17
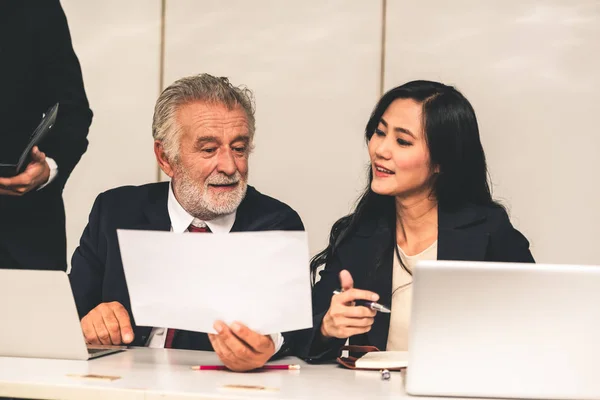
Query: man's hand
35	175
343	319
240	348
107	323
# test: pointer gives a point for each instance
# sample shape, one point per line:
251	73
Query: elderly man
203	129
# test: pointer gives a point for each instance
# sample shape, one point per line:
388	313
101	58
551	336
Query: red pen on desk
224	368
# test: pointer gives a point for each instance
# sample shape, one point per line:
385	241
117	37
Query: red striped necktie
170	331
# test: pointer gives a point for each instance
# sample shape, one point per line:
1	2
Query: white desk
165	374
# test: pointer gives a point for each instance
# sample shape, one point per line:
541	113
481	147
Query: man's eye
209	150
240	149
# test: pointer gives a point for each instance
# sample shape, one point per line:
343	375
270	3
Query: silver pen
369	304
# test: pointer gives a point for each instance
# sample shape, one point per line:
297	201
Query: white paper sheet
188	281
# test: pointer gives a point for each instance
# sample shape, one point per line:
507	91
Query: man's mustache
222	179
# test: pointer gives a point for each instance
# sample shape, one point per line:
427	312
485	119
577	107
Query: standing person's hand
36	174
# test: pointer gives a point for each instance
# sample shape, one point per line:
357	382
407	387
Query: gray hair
202	87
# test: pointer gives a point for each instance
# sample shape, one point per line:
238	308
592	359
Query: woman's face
399	153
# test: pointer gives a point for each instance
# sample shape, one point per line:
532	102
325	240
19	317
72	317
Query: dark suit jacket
473	233
97	272
38	69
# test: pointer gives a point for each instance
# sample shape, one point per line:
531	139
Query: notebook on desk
383	360
8	169
370	358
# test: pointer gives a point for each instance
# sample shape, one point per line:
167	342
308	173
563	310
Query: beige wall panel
531	70
314	67
117	43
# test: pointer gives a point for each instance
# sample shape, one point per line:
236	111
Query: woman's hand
343	319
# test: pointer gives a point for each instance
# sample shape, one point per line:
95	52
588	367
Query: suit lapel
459	245
456	241
246	217
155	210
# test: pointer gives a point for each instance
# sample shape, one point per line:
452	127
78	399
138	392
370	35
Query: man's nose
226	162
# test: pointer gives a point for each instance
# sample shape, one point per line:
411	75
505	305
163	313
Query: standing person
39	68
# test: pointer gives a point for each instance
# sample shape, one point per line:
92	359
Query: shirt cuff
53	172
277	341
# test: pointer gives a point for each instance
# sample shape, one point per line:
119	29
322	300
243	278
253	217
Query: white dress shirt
53	172
180	221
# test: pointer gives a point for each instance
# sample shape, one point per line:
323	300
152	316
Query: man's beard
203	203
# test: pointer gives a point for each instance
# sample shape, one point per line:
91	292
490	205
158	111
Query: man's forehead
212	115
208	123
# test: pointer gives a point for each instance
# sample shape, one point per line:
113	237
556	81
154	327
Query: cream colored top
402	296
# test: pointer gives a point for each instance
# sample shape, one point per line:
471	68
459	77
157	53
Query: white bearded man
203	131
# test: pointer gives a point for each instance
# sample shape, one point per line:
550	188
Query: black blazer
473	233
38	69
97	272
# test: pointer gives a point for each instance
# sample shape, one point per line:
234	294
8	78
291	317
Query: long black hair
452	136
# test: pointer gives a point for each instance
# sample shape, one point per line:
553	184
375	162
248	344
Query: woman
428	198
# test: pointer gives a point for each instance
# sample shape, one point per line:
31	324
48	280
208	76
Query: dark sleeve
321	300
87	264
508	244
60	81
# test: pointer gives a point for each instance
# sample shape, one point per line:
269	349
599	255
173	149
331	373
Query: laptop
507	330
39	317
